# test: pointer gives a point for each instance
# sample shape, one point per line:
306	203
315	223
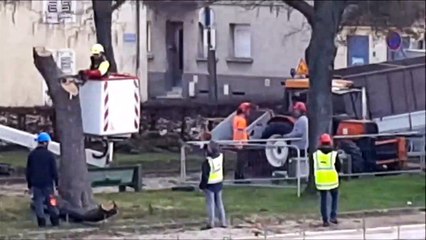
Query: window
148	37
241	40
202	43
65	58
59	11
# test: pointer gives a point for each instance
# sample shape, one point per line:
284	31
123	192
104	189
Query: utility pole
211	57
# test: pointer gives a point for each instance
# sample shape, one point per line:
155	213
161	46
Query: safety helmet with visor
97	49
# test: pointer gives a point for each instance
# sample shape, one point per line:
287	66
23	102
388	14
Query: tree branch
304	8
117	4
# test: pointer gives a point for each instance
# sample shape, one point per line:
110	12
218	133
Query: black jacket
327	150
205	173
41	169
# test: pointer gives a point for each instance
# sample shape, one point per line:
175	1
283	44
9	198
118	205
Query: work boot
325	224
334	221
41	222
207	227
54	221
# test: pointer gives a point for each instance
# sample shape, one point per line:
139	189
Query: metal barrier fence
251	144
364	228
416	143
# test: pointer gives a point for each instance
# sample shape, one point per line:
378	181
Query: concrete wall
157	62
378	50
21	28
377	46
278	43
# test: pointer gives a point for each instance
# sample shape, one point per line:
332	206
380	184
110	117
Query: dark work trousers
324	204
242	159
41	196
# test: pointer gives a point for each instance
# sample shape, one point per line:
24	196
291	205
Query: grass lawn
156	206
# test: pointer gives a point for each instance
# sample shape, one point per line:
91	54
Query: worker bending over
327	165
99	65
300	129
211	184
42	177
240	136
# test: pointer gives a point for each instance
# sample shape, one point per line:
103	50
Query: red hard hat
325	139
299	106
245	106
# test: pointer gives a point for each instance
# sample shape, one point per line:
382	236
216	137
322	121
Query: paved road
405	232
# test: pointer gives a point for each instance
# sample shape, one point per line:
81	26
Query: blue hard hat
43	137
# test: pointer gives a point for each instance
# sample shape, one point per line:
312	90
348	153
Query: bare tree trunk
74	185
102	11
321	54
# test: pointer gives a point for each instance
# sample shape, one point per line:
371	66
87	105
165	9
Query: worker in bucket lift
327	165
99	65
240	136
212	183
42	177
300	130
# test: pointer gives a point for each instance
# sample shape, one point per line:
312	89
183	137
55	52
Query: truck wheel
274	128
354	151
276	152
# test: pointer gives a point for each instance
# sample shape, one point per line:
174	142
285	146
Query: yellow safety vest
216	169
326	176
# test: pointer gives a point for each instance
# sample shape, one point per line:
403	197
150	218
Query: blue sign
394	40
129	37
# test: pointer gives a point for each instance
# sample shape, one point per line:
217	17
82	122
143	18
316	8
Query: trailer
352	100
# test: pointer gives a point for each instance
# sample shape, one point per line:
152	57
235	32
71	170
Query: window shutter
67	11
148	36
205	49
51	11
65	58
242	41
59	11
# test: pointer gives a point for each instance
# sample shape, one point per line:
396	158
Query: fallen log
98	214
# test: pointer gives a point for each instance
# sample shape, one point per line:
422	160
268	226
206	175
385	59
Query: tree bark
322	50
74	185
304	8
102	11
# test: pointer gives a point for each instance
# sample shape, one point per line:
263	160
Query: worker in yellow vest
211	184
327	165
99	65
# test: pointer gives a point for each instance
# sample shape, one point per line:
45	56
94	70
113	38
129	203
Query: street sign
393	40
302	68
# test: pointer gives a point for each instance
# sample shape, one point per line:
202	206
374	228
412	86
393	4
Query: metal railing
417	151
250	144
365	229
